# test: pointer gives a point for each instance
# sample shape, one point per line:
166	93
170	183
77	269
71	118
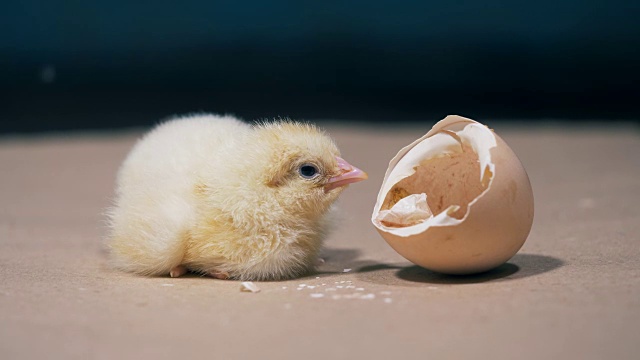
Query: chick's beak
349	174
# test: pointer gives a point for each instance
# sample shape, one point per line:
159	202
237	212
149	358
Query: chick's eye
308	171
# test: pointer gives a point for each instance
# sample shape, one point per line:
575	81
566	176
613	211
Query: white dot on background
346	270
388	300
317	295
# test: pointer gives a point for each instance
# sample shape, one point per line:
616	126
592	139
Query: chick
213	195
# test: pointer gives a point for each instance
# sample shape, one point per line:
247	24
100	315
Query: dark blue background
102	64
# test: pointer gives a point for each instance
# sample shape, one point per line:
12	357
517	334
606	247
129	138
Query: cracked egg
455	201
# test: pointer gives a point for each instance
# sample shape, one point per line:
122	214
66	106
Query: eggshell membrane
496	221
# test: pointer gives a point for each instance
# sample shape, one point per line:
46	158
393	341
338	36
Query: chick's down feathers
214	195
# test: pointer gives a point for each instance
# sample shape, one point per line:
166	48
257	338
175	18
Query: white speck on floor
359	289
368	297
388	300
166	285
346	270
317	295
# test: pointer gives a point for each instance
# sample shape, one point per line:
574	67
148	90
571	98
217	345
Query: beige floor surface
572	292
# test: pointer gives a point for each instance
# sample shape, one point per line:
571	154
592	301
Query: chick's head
303	167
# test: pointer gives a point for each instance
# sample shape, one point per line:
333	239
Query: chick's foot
218	275
177	271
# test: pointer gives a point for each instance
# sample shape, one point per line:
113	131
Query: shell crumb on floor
342	290
248	286
346	270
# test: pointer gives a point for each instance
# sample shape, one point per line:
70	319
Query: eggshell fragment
410	210
461	201
248	286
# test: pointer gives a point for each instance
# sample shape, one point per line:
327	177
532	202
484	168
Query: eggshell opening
452	167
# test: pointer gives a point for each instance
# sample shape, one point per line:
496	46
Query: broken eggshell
479	201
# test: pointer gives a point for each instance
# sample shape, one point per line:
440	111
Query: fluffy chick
213	195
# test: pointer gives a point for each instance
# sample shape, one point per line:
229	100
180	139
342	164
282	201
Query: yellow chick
213	195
